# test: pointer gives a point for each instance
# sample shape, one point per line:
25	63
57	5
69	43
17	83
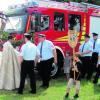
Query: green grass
56	91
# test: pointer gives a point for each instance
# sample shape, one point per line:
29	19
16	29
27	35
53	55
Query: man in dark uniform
95	81
96	57
96	46
29	52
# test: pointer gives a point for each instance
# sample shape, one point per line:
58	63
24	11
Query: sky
5	3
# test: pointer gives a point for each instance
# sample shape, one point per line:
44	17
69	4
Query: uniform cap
41	35
95	34
27	34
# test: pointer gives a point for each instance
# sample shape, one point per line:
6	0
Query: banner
72	38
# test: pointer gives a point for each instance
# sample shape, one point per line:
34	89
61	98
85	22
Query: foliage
56	91
98	2
4	35
17	43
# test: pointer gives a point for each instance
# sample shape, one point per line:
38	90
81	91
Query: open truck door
94	25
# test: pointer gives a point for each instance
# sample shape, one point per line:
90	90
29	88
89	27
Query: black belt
95	53
47	59
87	56
28	60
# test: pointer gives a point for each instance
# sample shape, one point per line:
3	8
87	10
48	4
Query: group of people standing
90	52
15	66
84	63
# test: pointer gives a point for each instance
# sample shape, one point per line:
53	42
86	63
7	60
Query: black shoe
88	78
99	85
32	92
66	96
76	96
20	92
95	82
44	86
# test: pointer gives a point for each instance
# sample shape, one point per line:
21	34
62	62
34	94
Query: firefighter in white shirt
96	46
86	53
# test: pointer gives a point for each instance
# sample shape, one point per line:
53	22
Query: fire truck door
94	25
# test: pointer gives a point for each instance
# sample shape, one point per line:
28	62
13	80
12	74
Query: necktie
94	45
41	49
83	47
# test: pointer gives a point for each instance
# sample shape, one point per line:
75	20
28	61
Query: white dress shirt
88	46
97	45
47	49
29	51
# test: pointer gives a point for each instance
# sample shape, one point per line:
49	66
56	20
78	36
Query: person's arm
38	56
21	54
86	52
79	66
54	51
98	63
89	50
79	51
70	62
55	56
20	59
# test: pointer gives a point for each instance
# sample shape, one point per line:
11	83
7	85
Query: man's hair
28	37
10	37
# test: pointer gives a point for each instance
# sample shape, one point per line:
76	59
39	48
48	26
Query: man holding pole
75	76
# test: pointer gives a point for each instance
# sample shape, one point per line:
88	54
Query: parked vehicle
54	19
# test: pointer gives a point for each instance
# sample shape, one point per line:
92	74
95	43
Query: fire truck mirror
35	21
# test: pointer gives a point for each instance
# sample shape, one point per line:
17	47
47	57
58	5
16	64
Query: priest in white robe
10	67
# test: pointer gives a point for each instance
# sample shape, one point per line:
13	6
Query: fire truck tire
56	68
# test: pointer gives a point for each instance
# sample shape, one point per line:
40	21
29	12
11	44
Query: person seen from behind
29	52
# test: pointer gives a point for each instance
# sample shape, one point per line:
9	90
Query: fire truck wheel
56	68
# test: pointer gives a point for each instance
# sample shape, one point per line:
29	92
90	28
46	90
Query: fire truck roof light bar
90	5
54	4
64	5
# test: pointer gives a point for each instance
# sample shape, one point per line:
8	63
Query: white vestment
9	68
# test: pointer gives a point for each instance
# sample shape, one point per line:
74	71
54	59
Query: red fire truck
54	19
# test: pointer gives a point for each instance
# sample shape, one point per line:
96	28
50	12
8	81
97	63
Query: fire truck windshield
16	24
